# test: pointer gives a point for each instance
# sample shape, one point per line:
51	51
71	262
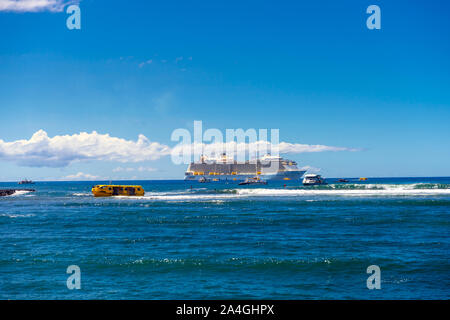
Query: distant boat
25	181
343	180
254	180
362	179
313	179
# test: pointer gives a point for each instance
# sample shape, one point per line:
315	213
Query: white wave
20	192
81	194
16	215
181	197
388	191
366	190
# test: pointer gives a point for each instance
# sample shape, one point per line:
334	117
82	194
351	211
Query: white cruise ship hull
282	176
225	169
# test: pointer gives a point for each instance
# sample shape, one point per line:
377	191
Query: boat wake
82	194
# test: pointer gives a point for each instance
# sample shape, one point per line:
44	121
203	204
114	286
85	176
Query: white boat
25	181
313	179
254	180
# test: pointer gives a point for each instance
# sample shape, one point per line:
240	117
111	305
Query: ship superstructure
225	168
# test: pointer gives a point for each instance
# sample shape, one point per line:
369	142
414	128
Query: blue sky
309	68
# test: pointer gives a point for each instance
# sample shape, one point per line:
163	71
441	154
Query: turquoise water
222	241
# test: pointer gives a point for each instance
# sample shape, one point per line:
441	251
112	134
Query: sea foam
348	190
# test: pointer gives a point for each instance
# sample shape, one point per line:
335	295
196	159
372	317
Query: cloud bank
81	176
140	169
34	5
60	151
42	151
245	151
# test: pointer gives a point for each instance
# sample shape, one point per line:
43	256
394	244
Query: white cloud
121	169
140	169
142	64
311	169
286	147
146	169
34	5
237	150
59	151
81	176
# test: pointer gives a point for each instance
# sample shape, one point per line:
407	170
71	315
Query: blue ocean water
187	240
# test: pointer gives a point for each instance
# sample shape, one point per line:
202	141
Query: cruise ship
225	169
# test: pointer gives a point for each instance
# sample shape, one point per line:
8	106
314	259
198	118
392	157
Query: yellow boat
108	190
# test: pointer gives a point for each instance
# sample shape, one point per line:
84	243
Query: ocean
190	240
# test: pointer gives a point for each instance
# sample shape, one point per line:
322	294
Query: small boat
254	180
25	181
362	179
203	180
117	190
313	179
343	180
